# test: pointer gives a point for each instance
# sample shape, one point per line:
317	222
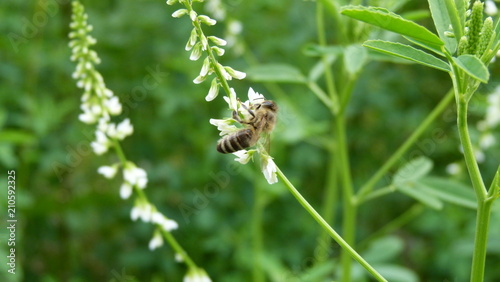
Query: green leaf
407	52
384	249
276	73
412	171
473	66
396	273
454	18
414	190
462	6
354	58
387	20
450	191
442	22
429	46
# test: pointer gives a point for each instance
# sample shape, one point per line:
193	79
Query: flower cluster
477	34
227	126
99	105
198	43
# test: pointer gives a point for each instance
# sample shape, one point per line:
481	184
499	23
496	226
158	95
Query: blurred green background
72	224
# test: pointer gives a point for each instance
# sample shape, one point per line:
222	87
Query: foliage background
74	227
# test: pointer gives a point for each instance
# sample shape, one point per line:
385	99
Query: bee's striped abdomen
237	141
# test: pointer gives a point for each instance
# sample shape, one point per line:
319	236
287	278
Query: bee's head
267	104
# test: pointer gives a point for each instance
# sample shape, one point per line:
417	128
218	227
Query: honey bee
262	120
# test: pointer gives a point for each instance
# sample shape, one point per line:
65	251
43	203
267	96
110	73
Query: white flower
108	171
453	169
235	27
206	20
179	13
156	241
196	275
124	129
101	145
205	68
214	90
179	257
480	157
232	101
225	126
219	51
234	73
252	95
199	79
135	175
216	8
125	190
141	210
196	53
113	105
103	123
269	169
87	117
217	40
486	141
490	8
243	156
167	224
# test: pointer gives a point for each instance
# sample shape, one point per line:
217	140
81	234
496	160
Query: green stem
349	209
470	159
368	186
481	240
328	228
379	192
329	78
331	183
484	203
119	152
178	249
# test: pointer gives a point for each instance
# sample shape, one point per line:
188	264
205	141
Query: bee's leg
248	110
236	117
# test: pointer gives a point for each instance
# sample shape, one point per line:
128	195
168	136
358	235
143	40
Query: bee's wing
266	141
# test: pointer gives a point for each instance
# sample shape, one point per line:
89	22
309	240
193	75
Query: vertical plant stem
331	188
335	236
257	212
484	203
349	209
481	240
470	159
